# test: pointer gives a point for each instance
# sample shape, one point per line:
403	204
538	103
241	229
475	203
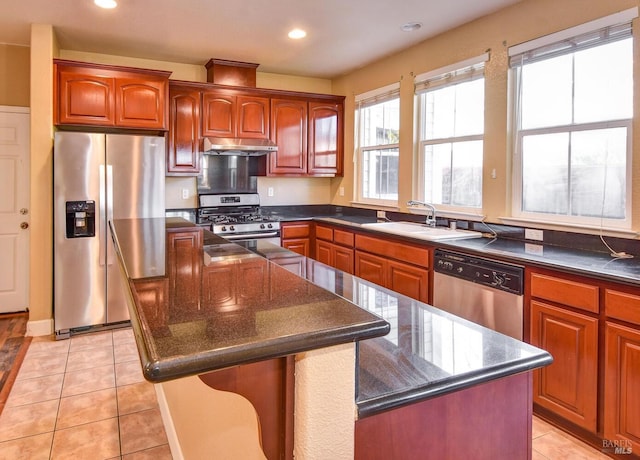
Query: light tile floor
550	443
82	398
85	398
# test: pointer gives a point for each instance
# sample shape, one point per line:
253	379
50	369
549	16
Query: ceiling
342	35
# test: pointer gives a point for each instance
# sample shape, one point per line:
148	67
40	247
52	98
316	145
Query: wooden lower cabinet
296	237
569	386
622	387
269	386
335	256
400	267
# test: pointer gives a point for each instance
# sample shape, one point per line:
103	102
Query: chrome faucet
431	219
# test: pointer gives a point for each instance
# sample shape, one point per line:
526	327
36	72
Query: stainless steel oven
485	291
237	217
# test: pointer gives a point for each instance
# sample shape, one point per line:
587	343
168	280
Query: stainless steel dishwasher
485	291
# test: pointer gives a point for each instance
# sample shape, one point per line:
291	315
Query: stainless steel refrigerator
98	178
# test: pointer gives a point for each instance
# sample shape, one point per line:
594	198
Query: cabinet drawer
324	233
406	253
343	238
622	305
295	231
571	293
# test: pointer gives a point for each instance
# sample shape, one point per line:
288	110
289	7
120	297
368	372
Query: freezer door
135	167
79	269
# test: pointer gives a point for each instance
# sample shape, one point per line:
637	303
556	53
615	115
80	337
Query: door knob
24	211
24	225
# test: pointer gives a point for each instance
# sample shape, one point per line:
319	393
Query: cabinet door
622	386
325	139
569	386
343	258
85	99
409	280
324	252
184	132
371	268
253	117
184	262
289	131
218	114
141	103
301	246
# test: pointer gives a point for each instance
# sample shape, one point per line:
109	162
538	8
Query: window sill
581	228
448	214
367	205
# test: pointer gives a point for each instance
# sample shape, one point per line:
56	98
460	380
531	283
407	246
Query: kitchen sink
421	231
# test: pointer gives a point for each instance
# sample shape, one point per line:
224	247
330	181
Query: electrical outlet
341	191
381	214
270	191
185	193
533	234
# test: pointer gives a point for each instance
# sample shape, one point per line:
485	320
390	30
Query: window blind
595	33
378	95
468	70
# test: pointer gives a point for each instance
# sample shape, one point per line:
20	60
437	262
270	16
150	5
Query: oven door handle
249	236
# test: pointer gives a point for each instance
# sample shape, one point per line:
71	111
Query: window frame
542	45
461	72
362	101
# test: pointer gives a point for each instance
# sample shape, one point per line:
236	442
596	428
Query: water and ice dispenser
81	219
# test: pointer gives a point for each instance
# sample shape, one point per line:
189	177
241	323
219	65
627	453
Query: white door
14	209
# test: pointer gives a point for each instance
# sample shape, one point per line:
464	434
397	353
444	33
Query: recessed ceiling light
108	4
411	26
297	34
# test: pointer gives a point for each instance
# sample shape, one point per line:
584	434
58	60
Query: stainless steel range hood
236	146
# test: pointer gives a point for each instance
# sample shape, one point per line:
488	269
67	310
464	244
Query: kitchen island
219	309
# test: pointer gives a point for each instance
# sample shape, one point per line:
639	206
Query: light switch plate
533	234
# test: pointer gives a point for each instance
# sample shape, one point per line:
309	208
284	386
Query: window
451	121
572	120
377	140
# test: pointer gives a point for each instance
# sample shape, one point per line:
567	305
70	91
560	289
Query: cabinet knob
24	211
24	225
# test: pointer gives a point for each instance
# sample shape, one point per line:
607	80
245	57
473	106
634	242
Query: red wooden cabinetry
295	236
334	247
225	114
309	135
398	266
184	135
109	96
289	131
325	138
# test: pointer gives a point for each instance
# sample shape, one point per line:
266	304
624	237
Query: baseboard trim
37	328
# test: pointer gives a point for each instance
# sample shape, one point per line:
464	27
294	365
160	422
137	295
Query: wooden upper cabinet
289	131
84	98
184	134
253	117
309	134
229	115
141	103
108	96
218	114
325	138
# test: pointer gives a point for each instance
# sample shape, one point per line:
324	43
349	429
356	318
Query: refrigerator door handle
103	220
109	242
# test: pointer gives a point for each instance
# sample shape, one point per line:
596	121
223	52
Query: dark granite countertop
597	264
242	308
427	353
